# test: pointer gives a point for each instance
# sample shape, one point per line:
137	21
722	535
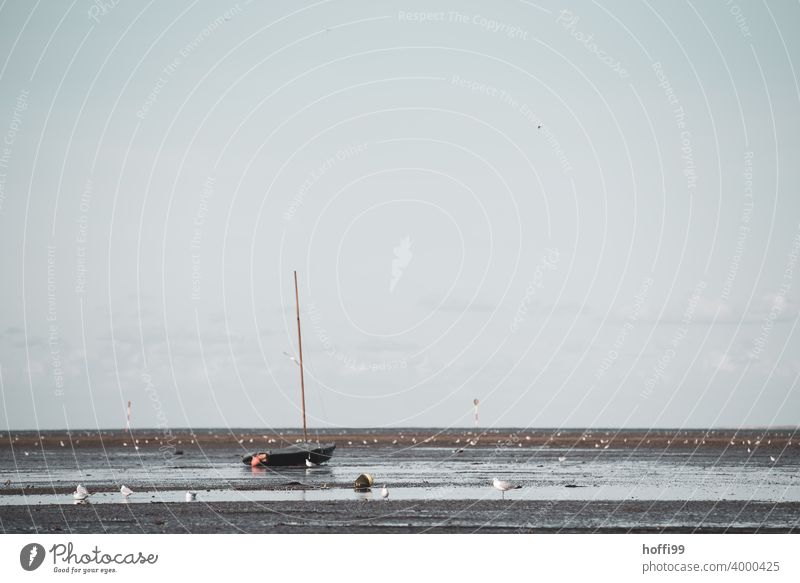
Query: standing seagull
385	492
191	495
772	459
126	491
80	493
310	464
504	486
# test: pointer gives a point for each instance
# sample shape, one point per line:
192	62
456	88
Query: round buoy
364	482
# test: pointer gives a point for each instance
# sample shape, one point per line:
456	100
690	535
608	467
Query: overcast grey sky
633	261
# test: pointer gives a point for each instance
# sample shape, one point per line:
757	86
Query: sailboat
296	454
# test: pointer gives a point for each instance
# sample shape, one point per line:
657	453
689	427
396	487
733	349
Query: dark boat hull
293	455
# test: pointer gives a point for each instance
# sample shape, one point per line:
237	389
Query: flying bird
125	491
504	486
292	358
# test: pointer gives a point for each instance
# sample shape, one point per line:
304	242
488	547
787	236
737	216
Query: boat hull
293	455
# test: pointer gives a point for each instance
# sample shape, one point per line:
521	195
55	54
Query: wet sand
378	516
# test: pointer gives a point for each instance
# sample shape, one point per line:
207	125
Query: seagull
772	458
292	358
310	464
562	458
80	493
7	483
385	492
191	495
126	491
504	486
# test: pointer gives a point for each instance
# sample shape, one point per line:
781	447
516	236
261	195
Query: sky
579	213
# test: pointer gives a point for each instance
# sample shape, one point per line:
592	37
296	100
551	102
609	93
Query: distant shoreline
411	428
155	438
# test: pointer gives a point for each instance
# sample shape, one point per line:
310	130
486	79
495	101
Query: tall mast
300	348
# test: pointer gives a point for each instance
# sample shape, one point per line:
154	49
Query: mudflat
413	516
438	480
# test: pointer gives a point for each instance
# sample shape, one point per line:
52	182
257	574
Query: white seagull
292	358
772	458
80	493
191	495
310	464
125	491
385	492
562	458
504	486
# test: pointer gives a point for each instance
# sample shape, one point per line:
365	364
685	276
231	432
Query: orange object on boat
258	459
